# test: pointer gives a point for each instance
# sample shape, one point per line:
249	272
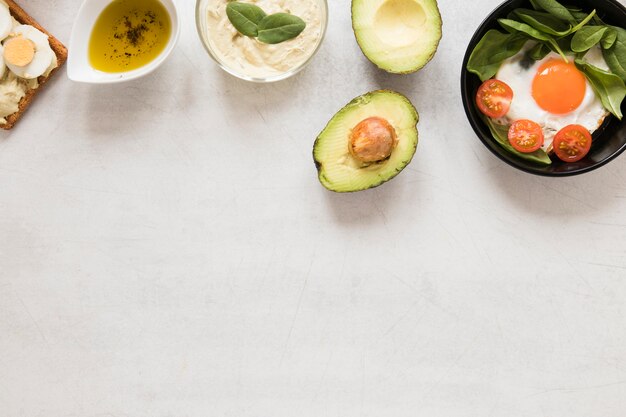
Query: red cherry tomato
525	136
494	98
572	143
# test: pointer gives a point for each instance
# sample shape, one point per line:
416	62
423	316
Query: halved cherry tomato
525	136
494	98
572	143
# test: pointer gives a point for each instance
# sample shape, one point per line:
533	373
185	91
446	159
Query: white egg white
519	75
3	67
44	55
6	21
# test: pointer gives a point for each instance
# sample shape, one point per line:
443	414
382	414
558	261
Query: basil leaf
543	22
587	37
491	51
555	8
608	86
615	56
533	33
245	17
609	38
501	134
539	51
280	27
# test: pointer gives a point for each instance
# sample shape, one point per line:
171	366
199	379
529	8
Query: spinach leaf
491	51
280	27
539	51
583	22
587	37
609	38
245	17
578	15
565	44
555	8
615	56
543	22
533	33
501	134
608	86
615	64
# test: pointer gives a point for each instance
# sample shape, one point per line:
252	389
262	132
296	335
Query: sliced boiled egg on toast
27	52
6	21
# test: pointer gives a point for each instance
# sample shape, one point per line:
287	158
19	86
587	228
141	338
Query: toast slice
59	49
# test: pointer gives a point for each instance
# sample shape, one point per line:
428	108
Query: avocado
367	143
398	36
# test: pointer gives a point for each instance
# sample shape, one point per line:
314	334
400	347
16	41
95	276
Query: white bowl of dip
79	68
251	60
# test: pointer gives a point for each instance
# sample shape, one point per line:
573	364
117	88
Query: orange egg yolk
559	87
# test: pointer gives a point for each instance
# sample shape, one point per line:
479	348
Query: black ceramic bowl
608	142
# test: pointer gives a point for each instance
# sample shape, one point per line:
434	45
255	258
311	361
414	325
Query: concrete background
167	251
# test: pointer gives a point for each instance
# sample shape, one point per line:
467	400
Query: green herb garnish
279	27
245	17
250	20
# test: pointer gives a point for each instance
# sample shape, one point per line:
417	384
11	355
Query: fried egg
552	92
27	52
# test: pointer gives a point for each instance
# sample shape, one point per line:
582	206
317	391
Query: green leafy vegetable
501	134
555	8
582	16
543	21
615	56
609	38
539	51
608	86
531	32
280	27
245	17
614	63
587	37
492	50
583	22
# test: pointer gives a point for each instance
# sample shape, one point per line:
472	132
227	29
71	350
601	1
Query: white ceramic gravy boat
78	67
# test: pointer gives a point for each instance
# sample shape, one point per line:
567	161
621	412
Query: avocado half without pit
398	36
367	143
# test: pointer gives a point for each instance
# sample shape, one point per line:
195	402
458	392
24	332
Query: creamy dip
255	59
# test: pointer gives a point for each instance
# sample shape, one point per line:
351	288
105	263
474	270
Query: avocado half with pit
398	36
367	143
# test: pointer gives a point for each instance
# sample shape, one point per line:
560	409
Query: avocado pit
372	140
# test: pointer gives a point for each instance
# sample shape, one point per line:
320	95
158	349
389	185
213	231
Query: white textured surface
166	250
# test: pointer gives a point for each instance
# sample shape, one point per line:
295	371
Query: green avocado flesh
399	36
341	172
